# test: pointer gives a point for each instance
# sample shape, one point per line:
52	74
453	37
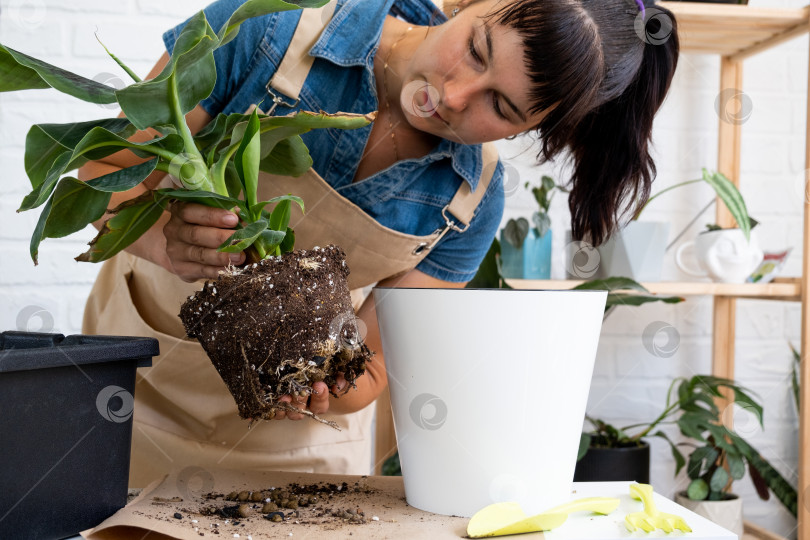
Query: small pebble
178	515
375	518
194	521
243	511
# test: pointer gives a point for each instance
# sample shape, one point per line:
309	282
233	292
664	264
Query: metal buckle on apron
448	225
278	99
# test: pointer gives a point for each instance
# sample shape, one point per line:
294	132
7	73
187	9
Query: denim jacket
408	196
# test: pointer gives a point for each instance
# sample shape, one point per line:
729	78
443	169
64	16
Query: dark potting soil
330	506
277	326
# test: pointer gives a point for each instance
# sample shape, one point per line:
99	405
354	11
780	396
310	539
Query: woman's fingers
298	403
318	403
319	400
193	234
199	214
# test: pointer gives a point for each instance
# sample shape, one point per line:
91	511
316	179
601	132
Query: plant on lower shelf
718	454
220	167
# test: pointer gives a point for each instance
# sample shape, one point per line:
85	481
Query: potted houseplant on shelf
637	250
719	455
691	405
526	250
219	166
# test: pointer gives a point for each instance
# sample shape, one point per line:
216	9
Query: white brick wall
628	383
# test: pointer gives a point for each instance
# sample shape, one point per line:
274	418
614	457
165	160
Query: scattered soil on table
330	506
277	326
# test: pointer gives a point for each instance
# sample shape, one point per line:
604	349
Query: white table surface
585	526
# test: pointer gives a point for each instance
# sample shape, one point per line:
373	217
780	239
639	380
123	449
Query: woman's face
466	80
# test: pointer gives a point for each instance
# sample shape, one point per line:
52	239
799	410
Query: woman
415	196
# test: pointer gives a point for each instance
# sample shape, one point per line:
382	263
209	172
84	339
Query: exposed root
289	408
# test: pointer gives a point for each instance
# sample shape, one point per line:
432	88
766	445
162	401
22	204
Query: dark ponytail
613	169
601	72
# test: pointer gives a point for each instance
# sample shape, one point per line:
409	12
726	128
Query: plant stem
670	188
179	121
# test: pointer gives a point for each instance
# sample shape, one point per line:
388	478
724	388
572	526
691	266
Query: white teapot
723	255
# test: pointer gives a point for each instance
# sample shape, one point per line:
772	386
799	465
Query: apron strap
294	68
465	201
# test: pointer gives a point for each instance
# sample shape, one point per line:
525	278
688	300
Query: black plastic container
613	464
65	429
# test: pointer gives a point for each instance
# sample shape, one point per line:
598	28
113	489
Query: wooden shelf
780	289
735	31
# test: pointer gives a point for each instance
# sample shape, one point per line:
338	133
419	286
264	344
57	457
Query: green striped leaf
732	198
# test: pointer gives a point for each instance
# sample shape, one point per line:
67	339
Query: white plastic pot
488	390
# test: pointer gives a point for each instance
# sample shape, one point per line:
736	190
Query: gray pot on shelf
636	251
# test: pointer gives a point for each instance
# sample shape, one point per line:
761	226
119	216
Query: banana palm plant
218	166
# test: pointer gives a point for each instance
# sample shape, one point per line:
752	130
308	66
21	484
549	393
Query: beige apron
184	414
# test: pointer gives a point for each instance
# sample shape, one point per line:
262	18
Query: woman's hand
193	234
318	401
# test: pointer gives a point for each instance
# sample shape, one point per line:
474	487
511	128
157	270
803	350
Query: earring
455	10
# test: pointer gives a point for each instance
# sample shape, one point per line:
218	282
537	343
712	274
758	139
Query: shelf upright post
803	512
728	162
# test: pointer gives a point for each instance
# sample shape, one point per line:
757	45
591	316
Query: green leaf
96	143
69	196
290	157
744	400
123	66
691	426
191	71
60	216
516	231
202	197
794	376
280	218
291	198
131	220
288	243
719	480
542	222
123	179
488	275
616	296
696	466
41	193
584	444
736	465
45	142
612	284
698	490
246	161
19	71
36	238
243	238
731	197
256	8
786	493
